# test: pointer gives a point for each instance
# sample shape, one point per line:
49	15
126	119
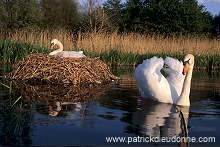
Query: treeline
150	16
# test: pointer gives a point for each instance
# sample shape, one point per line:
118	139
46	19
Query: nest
48	93
40	68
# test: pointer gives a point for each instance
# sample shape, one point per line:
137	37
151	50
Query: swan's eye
184	62
165	66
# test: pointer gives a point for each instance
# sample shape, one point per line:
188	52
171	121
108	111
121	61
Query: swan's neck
60	49
184	96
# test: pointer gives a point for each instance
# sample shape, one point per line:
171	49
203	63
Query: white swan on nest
174	89
67	54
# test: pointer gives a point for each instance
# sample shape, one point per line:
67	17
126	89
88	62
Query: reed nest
40	68
48	93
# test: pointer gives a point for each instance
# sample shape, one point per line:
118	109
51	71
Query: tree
163	15
114	12
60	14
133	19
93	17
20	14
3	15
194	17
167	16
216	25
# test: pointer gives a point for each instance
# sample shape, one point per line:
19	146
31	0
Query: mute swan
174	89
67	54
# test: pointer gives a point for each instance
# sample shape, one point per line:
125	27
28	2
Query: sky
212	6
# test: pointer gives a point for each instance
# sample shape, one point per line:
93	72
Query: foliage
11	51
216	25
114	11
59	14
116	57
167	16
161	16
19	14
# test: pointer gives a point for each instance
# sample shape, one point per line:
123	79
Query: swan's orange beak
185	68
51	46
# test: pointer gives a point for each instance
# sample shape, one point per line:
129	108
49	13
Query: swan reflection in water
56	107
161	119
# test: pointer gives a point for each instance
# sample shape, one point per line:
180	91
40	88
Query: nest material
44	68
48	93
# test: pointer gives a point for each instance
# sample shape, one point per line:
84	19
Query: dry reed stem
127	42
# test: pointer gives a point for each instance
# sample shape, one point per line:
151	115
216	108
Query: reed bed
112	48
100	42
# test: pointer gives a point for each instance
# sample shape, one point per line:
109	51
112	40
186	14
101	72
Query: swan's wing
175	76
72	54
54	53
152	84
57	54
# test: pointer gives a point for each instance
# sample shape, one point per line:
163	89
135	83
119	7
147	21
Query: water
70	115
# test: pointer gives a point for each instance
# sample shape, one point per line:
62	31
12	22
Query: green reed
7	89
13	51
116	57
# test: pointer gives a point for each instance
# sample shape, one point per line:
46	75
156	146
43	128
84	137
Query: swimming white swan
67	54
174	89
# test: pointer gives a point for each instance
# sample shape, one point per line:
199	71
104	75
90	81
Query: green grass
12	52
116	57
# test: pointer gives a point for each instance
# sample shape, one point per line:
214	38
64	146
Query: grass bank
14	51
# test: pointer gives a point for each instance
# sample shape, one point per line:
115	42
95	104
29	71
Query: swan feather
66	54
174	88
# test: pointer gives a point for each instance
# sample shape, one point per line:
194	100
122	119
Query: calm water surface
70	115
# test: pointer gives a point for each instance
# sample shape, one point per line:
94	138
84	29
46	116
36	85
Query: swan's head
188	63
172	65
53	42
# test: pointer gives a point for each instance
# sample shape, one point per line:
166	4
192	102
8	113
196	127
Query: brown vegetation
99	42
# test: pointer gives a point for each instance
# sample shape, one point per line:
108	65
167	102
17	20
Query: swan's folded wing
72	54
175	76
152	84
